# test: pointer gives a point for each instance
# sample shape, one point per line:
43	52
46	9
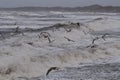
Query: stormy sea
59	45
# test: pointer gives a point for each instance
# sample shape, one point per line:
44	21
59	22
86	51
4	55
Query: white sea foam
31	56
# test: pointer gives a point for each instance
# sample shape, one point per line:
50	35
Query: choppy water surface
30	55
40	19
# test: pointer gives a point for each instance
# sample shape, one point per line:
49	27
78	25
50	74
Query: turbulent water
69	43
41	19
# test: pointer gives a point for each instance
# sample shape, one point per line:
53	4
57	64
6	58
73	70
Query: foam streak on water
40	19
69	44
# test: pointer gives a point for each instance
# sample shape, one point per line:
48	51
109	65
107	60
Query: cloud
70	3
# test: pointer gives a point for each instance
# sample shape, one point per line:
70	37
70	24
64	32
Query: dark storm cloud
68	3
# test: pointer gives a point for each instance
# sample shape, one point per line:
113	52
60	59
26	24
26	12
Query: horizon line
61	6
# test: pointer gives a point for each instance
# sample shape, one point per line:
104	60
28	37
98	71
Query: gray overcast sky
65	3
